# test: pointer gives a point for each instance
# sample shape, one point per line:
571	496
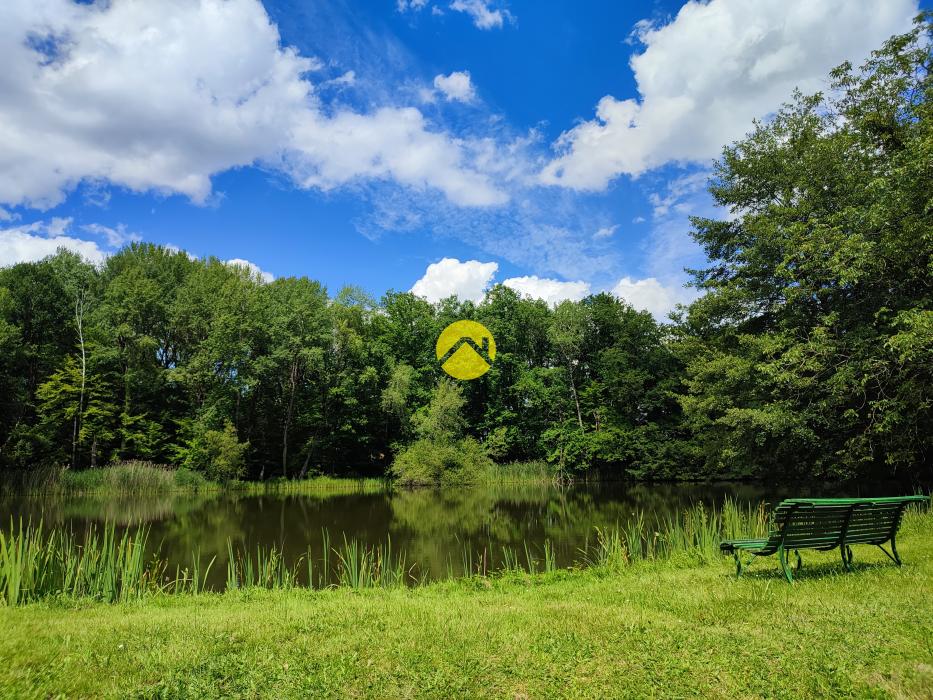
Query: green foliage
218	454
430	463
810	353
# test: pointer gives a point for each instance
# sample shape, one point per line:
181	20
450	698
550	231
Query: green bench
824	524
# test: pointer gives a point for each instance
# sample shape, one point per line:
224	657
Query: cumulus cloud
703	78
482	13
651	295
162	96
551	290
470	280
38	240
253	268
456	87
467	280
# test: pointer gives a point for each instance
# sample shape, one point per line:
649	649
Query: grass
311	486
141	477
667	627
136	477
530	472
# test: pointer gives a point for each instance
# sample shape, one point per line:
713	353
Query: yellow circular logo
466	349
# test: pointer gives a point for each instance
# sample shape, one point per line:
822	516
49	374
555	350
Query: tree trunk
576	399
76	429
126	402
293	380
304	467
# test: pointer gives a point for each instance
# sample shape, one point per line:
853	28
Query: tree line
809	353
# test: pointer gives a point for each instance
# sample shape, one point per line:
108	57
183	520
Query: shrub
218	454
441	463
186	478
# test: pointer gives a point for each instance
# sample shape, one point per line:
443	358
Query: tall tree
810	351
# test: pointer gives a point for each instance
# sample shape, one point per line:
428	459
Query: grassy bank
666	627
150	478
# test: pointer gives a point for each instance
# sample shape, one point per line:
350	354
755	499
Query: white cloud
35	241
468	280
551	290
346	79
7	215
253	268
638	220
116	237
484	17
162	96
606	231
706	75
387	144
456	87
651	295
415	5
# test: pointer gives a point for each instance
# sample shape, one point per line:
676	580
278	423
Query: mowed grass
672	628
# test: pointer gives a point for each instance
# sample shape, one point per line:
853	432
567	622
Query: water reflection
434	528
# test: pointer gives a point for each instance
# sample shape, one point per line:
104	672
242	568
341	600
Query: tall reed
267	570
359	566
102	565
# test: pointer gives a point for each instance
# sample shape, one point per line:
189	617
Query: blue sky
431	145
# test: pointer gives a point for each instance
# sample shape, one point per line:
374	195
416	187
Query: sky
437	146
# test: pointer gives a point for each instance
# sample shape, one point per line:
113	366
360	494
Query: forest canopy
809	353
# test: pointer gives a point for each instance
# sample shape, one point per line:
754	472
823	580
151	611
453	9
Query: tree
808	352
567	332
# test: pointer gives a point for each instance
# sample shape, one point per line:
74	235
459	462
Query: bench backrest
829	522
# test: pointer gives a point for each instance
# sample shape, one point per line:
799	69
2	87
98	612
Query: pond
440	532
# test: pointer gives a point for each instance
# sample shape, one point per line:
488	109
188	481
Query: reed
267	570
191	582
125	477
609	551
103	565
359	566
312	486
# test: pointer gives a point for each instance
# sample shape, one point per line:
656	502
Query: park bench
824	524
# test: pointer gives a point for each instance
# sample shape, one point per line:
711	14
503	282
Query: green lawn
674	629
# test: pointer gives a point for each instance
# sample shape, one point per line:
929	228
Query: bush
218	454
189	479
441	463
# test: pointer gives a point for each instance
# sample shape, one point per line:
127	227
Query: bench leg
799	561
782	555
893	557
846	552
740	566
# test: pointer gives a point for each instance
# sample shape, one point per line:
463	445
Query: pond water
439	531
